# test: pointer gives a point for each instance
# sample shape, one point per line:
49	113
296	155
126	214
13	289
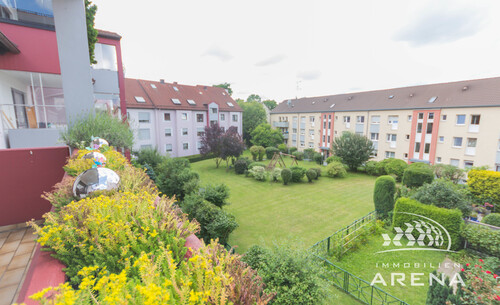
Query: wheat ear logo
430	233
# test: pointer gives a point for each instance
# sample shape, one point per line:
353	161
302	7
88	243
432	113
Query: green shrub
492	219
262	153
485	185
417	175
103	125
451	220
444	194
255	256
298	155
298	172
318	158
318	172
270	151
482	239
309	153
371	168
336	169
286	176
216	194
149	156
150	172
311	174
282	147
396	167
240	166
257	152
175	178
254	164
333	159
258	172
383	195
449	172
291	150
381	167
276	174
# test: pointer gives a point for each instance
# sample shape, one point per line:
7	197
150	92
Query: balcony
280	124
285	136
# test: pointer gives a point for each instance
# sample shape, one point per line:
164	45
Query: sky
286	49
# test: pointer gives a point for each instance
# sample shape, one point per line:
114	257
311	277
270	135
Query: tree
211	142
232	145
253	115
90	11
254	98
383	195
239	101
354	149
175	177
265	136
226	86
271	104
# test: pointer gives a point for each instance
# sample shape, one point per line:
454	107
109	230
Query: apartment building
172	117
32	104
454	123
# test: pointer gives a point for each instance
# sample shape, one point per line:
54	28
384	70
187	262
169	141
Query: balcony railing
280	124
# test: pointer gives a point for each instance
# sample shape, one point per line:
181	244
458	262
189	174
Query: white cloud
218	53
271	60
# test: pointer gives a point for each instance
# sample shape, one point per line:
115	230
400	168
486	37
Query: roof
6	45
108	34
470	93
160	94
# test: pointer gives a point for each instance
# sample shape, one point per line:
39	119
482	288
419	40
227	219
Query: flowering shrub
258	172
114	160
481	286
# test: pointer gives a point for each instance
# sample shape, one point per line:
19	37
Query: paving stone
30	235
6	258
8	228
19	261
25	247
11	277
10	246
16	235
7	294
2	270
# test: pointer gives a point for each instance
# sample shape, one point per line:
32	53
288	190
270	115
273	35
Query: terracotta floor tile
16	235
8	227
7	294
19	261
25	247
10	246
29	236
2	241
6	258
2	270
11	277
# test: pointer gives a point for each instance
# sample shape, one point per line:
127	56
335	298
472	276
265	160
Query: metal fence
338	244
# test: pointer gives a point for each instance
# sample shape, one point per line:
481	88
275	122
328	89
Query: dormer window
176	101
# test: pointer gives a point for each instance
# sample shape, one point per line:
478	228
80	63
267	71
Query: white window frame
184	116
168	132
465	120
461	142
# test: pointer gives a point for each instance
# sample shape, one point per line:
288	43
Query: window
441	139
409	118
235	118
427	148
468	164
302	144
374	136
176	89
454	162
105	56
143	117
438	160
431	116
311	132
474	119
417	147
191	102
360	119
185	146
407	136
497	168
184	116
184	131
429	128
153	86
444	117
393	119
139	99
311	119
328	139
457	142
200	132
420	115
390	154
214	110
230	104
471	142
168	132
144	134
198	145
128	115
302	131
391	137
311	144
176	101
222	117
294	130
166	116
146	146
347	119
406	155
419	128
200	117
460	119
376	119
168	147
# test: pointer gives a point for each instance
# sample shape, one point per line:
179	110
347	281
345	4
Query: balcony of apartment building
280	124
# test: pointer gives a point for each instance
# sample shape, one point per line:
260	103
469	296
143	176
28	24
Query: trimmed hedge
309	153
333	159
286	176
291	150
240	166
298	155
311	174
371	168
254	164
270	151
336	169
197	158
383	195
492	219
282	147
257	152
417	175
298	172
318	158
396	167
451	220
482	239
485	185
318	172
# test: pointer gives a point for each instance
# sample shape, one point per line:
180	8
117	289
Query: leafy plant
371	168
396	167
309	153
482	239
257	152
270	151
216	194
485	185
258	172
175	178
282	148
298	155
333	159
449	172
298	173
264	135
336	169
492	219
311	174
318	158
354	149
383	195
286	176
240	166
417	175
318	172
444	194
150	156
276	174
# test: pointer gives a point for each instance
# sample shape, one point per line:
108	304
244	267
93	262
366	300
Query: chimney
175	83
162	81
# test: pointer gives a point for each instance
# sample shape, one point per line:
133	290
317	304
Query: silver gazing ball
98	142
98	158
95	179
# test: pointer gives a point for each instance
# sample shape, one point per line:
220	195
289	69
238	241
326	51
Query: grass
365	264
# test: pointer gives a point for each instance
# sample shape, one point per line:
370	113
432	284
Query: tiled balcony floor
17	246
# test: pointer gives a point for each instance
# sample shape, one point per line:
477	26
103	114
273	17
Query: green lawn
269	211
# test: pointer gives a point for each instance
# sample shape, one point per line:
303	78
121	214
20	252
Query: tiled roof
160	95
108	34
470	93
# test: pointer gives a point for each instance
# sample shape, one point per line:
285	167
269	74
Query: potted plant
473	216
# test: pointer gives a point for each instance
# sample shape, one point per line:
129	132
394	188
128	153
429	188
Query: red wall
38	50
25	175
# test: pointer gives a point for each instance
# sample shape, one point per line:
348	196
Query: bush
298	155
383	195
216	194
396	167
103	125
311	174
371	168
298	172
282	148
309	153
286	176
150	172
175	178
258	172
492	219
240	166
354	149
485	185
276	174
270	151
291	150
254	150
336	169
449	172
451	220
444	194
482	239
254	164
381	167
318	158
416	176
333	159
149	156
318	172
197	158
255	256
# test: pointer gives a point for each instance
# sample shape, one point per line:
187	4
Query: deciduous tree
264	135
354	149
253	115
271	104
